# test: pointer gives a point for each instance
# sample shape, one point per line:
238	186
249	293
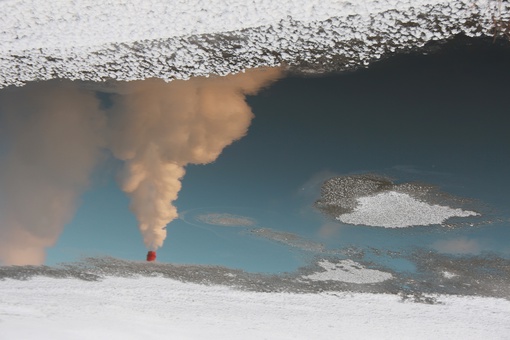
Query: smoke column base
151	256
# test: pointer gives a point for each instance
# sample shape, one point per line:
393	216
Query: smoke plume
51	140
161	127
53	134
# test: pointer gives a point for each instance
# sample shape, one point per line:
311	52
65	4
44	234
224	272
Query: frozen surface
374	200
59	23
225	220
152	308
449	275
397	210
136	39
348	271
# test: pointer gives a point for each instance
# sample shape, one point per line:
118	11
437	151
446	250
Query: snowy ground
155	308
136	39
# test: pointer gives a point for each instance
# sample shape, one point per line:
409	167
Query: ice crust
398	210
348	271
155	308
225	220
137	39
374	200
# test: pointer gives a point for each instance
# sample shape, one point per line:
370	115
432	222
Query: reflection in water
159	128
57	132
413	120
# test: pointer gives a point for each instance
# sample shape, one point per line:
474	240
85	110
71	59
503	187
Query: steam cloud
161	127
52	137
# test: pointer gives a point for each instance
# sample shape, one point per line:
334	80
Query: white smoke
161	127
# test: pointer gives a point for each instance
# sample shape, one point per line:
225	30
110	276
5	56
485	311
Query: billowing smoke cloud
161	127
51	140
53	135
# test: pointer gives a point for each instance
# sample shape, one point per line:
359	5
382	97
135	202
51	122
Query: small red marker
151	256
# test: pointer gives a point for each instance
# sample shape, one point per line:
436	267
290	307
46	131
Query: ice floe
398	210
226	220
373	200
348	271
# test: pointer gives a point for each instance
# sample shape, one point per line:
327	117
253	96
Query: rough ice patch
226	220
448	275
348	271
399	210
374	200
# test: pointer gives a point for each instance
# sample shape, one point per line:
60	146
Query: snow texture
155	308
398	210
448	275
348	271
139	39
225	220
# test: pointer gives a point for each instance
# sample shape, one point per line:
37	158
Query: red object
151	256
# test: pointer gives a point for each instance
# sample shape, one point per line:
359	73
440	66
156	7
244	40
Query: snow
155	308
139	39
392	209
348	271
448	275
37	23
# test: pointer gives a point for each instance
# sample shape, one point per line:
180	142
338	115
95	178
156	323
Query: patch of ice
449	275
226	220
392	209
348	271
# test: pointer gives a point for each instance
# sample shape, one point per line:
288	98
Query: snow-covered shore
135	39
155	308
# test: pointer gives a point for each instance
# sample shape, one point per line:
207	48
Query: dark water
439	119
